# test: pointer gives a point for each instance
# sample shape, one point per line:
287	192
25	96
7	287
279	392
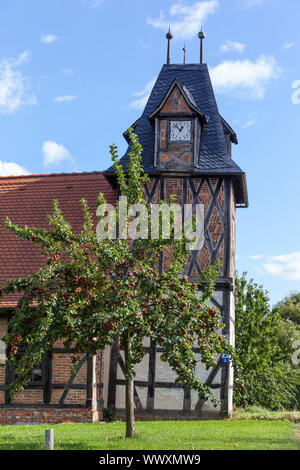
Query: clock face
180	131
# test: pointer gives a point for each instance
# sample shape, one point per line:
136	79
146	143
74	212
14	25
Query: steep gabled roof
195	80
27	200
214	156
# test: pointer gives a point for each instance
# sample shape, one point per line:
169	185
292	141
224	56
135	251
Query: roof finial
201	36
169	36
184	53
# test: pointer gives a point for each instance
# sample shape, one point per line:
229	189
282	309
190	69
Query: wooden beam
227	242
151	376
89	382
47	372
113	364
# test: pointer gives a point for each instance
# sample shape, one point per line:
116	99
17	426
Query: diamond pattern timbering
208	191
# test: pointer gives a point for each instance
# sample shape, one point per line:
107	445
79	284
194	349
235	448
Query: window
2	352
37	377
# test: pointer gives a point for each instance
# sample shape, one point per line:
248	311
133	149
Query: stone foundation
45	415
171	415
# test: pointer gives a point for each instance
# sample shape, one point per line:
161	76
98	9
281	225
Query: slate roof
28	200
196	80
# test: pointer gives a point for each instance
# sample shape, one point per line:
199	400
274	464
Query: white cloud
12	169
190	18
48	38
257	257
231	46
67	71
65	99
55	153
14	85
250	3
249	124
143	95
259	270
287	45
22	59
92	3
284	266
244	78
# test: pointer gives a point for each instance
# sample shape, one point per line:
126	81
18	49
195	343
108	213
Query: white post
49	439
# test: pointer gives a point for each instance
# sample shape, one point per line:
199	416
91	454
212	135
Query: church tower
187	153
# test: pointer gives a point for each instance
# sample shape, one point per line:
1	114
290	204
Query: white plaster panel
141	369
164	373
218	296
168	399
120	396
146	343
201	371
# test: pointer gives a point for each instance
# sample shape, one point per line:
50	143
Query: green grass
158	435
255	412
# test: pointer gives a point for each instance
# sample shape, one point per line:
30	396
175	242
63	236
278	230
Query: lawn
255	412
158	435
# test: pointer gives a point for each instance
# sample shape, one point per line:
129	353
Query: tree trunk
129	393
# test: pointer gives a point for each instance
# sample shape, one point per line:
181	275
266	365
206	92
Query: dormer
230	135
178	125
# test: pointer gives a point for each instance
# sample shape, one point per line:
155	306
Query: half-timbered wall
62	397
210	192
155	391
3	331
59	396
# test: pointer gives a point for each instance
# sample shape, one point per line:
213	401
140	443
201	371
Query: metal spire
184	53
201	36
169	36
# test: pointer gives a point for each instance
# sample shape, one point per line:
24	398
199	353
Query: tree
288	333
92	291
264	375
289	308
289	311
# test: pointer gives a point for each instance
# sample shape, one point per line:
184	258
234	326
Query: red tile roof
27	201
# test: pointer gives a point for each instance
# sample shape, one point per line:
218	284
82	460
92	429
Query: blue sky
74	74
